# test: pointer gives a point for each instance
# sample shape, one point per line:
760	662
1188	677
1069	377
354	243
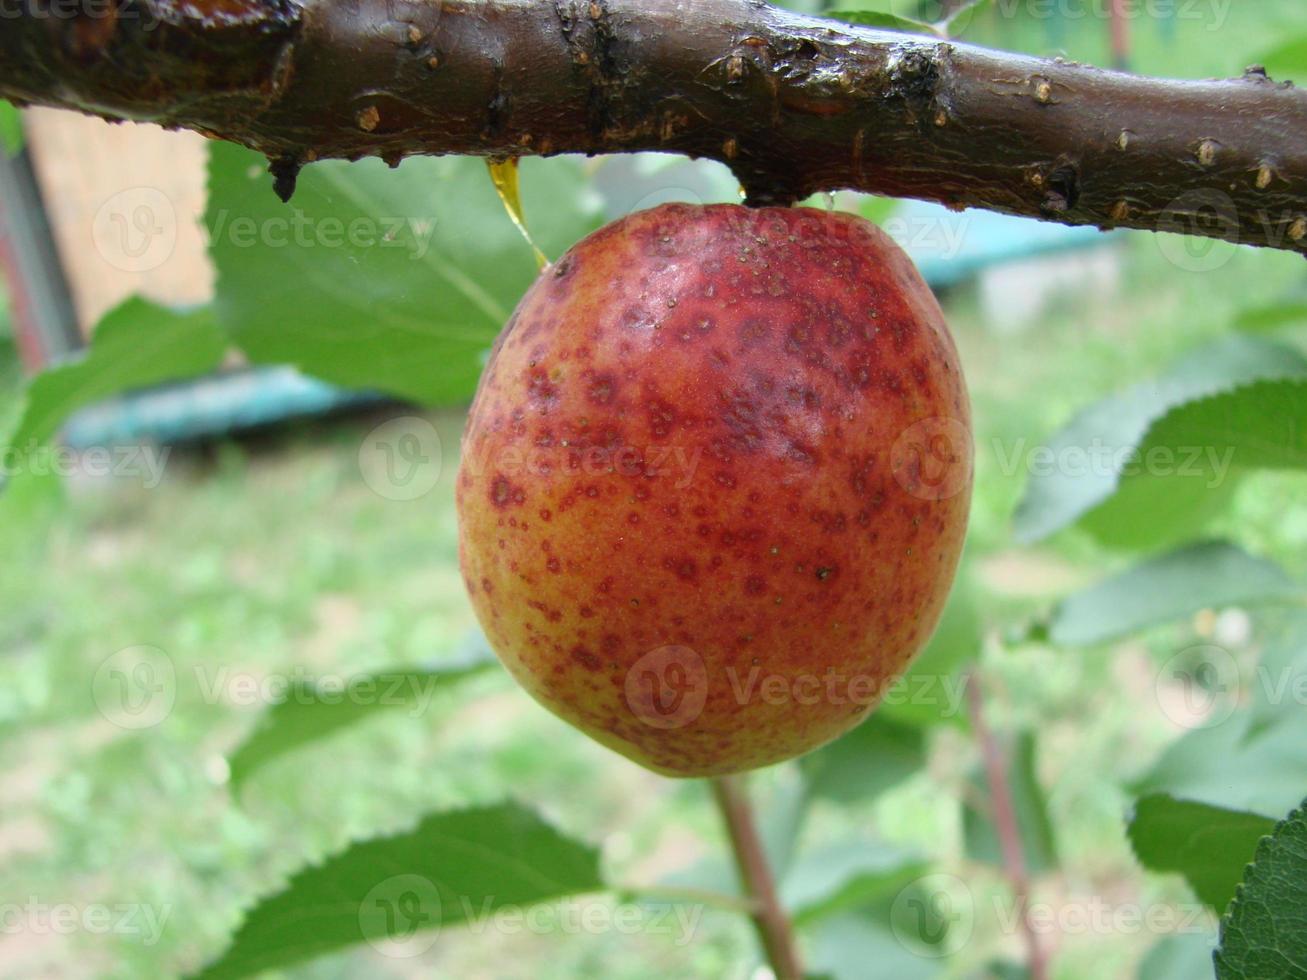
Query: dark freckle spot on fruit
662	417
553	564
672	510
592	491
753	332
601	388
545	515
801	453
502	493
685	568
824	573
755	585
724	479
633	518
541	389
487	586
635	318
610	643
703	530
606	585
585	658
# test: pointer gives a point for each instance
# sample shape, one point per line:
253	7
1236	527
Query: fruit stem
1007	826
775	932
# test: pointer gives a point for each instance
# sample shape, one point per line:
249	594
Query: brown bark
793	104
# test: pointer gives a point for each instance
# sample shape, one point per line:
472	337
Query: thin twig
775	932
1009	830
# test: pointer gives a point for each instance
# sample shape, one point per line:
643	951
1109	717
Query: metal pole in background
41	304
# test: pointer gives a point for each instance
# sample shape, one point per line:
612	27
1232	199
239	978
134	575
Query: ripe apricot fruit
715	482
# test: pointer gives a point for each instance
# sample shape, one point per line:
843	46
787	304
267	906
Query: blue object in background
951	246
948	247
221	403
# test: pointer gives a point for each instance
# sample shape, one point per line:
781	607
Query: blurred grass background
270	552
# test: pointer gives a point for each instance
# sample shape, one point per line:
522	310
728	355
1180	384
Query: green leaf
309	713
1226	765
1287	61
450	869
396	280
1202	576
1280	693
1002	970
884	20
11	129
960	19
136	345
1039	843
1264	935
1256	426
1096	468
1208	845
933	690
846	946
867	761
1264	319
846	875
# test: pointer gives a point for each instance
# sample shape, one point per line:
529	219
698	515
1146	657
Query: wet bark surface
792	104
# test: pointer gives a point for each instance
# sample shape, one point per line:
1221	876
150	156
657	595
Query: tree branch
772	924
792	104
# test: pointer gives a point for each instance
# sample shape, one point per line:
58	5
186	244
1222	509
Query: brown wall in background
125	204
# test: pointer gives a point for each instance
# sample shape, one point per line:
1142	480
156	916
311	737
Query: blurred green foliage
259	558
